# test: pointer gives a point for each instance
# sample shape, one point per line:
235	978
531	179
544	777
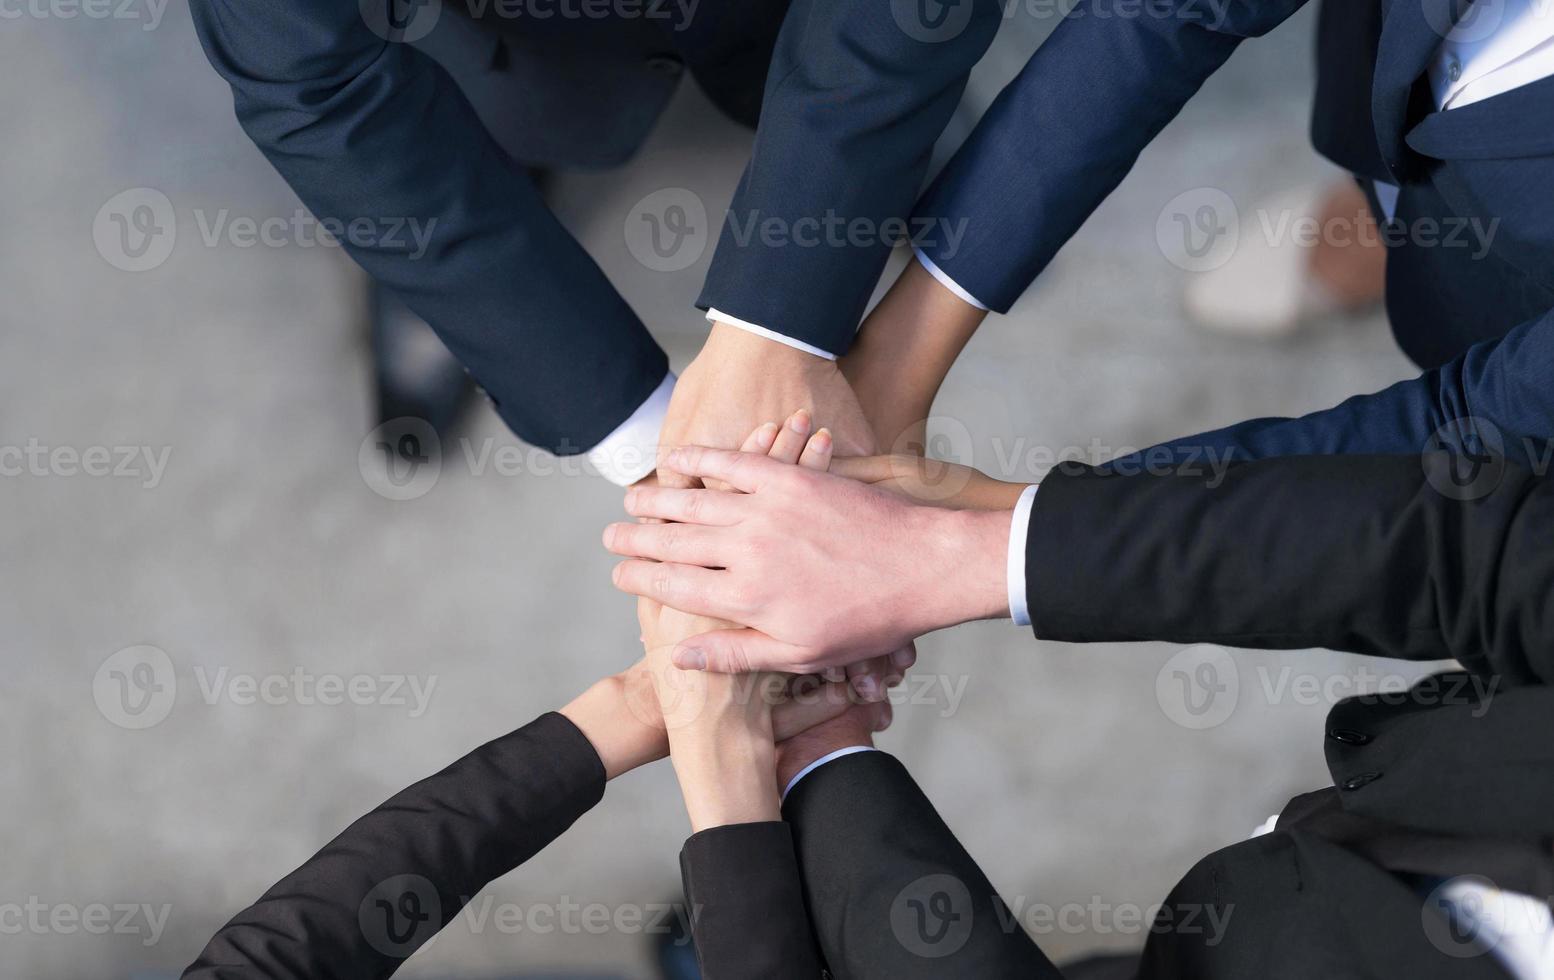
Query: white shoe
1265	291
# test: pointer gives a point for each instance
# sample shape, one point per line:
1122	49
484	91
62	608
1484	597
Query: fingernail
691	659
615	573
631	498
881	721
868	687
903	659
766	435
822	440
609	535
800	421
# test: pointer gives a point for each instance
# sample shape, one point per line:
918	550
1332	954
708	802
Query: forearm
1067	130
903	353
853	106
423	852
378	140
1500	387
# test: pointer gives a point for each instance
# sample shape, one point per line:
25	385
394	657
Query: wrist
730	344
965	557
727	780
622	740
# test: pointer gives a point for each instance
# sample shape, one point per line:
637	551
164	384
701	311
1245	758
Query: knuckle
663	584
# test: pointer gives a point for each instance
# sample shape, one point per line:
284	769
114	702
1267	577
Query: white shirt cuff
630	452
946	281
1018	528
760	331
828	757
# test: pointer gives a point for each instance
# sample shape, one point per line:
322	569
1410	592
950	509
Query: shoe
414	373
1266	290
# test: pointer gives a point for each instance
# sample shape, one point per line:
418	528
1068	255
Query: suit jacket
1478	263
362	126
385	886
1379	555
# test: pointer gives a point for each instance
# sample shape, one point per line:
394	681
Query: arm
369	129
856	96
1067	130
1371	554
891	891
1498	389
1374	554
391	880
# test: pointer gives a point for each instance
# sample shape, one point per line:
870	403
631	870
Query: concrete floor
261	550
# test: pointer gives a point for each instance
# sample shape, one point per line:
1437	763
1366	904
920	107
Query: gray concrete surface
261	550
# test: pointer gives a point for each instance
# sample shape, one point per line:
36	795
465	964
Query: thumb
737	651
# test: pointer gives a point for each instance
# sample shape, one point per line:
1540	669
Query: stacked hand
824	569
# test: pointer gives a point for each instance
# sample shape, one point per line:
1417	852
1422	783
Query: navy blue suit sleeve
857	94
1495	398
366	128
1064	133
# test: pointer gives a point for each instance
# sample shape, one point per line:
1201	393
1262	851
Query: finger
900	662
834	675
698	591
760	441
868	678
743	471
686	544
817	452
884	714
790	441
805	711
865	469
738	651
710	507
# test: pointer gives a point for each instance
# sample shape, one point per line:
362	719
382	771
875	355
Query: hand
739	381
621	718
663	628
904	349
854	727
721	729
829	570
931	481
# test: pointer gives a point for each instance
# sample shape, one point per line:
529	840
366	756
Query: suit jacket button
1348	736
1355	782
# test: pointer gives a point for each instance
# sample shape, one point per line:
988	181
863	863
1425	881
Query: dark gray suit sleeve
1416	557
747	904
391	880
891	892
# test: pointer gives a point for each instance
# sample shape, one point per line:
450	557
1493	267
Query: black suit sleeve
747	904
385	886
890	890
1416	557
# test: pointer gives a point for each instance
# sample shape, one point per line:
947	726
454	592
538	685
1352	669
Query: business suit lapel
1412	31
